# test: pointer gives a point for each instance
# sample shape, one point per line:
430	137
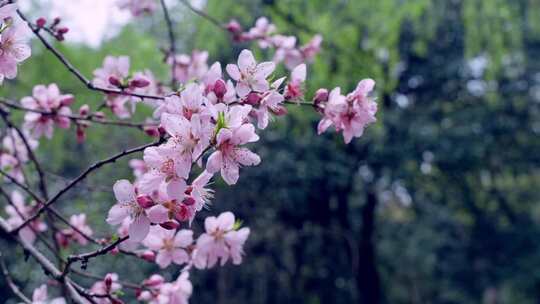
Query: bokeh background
439	201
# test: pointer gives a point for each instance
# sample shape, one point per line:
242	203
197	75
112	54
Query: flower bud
253	98
154	280
84	110
151	131
81	134
139	82
41	22
149	256
234	27
99	115
161	130
145	201
280	111
220	88
320	96
56	21
188	201
115	81
63	30
170	225
108	281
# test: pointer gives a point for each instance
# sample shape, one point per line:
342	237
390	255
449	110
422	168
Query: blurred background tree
437	203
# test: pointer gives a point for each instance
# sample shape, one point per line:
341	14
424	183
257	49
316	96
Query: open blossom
17	215
41	296
13	45
189	67
262	31
79	222
114	70
271	103
171	247
220	242
128	206
230	154
138	7
294	87
349	114
47	99
177	292
167	169
249	75
13	153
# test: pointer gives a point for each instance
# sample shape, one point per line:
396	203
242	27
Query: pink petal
124	191
226	221
214	162
158	214
246	158
138	229
117	214
233	71
246	60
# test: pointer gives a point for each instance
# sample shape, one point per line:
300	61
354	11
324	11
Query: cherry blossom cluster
13	47
205	128
114	74
286	49
13	154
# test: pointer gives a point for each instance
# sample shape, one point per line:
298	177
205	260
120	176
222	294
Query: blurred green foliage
437	203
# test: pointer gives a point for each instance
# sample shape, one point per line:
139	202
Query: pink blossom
79	222
177	292
249	75
138	166
13	46
294	87
272	102
189	67
262	31
167	169
13	166
349	114
229	154
18	213
50	100
220	242
170	247
41	296
116	68
127	206
312	48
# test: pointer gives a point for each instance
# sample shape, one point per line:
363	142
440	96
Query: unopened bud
63	30
169	225
139	82
220	88
253	98
280	111
188	201
149	256
234	27
99	115
67	100
41	22
161	130
320	96
115	81
151	131
81	133
84	110
108	281
145	201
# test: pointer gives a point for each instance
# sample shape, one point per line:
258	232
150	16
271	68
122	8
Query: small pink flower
138	7
13	46
79	222
271	103
261	32
113	68
128	207
108	286
189	67
249	75
293	90
170	247
229	154
48	99
17	215
177	292
41	296
312	48
220	242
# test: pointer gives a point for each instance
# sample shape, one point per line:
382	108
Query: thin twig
172	42
204	15
9	280
83	175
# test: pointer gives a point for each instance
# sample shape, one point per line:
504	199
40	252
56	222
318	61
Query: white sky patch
89	21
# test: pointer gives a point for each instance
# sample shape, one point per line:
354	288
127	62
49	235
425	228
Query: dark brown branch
83	175
9	280
76	118
89	255
172	42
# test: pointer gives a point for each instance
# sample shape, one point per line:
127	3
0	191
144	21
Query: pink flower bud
41	22
56	20
84	110
63	30
61	239
188	201
154	280
280	111
253	98
234	27
220	88
149	256
139	82
151	131
99	115
162	130
170	225
67	100
145	201
115	251
115	81
108	281
320	96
